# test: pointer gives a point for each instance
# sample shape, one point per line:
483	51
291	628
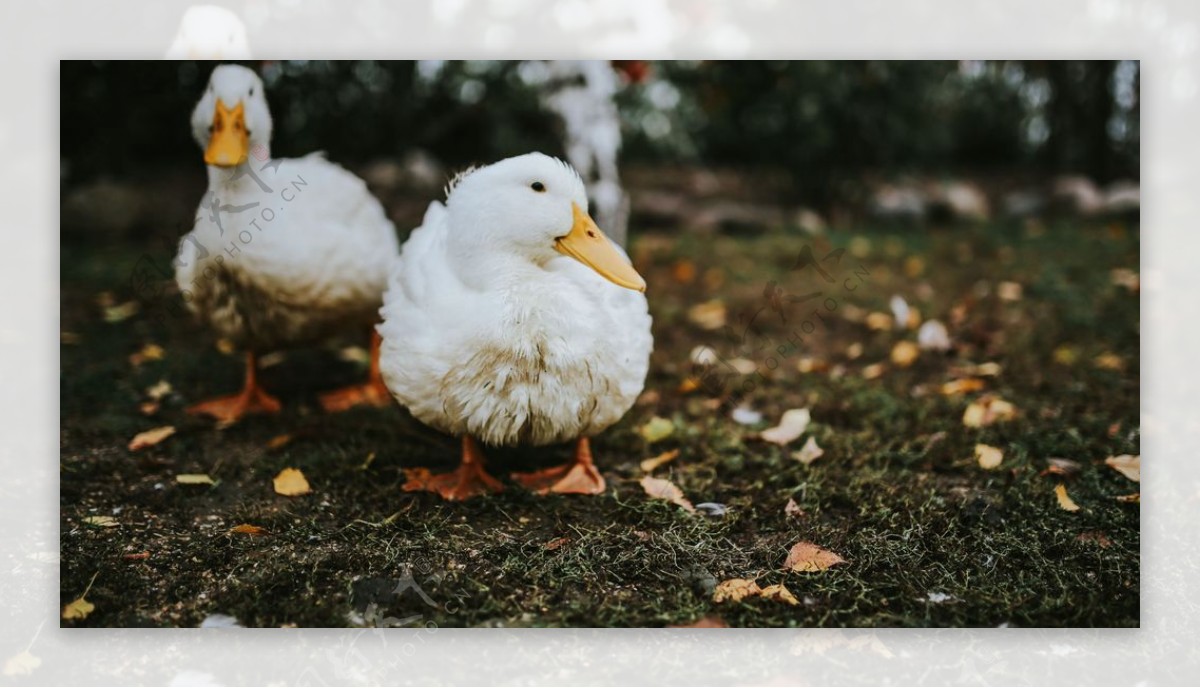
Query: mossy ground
898	492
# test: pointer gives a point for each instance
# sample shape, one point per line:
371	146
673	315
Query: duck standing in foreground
512	319
284	252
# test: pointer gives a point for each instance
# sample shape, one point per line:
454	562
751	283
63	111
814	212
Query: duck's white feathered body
286	253
508	351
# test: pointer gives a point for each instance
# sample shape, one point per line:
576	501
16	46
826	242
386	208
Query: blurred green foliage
821	122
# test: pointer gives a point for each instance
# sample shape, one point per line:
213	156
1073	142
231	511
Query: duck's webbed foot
578	477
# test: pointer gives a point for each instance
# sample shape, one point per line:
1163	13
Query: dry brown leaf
656	429
653	462
988	457
705	622
659	488
963	386
278	441
1064	499
688	386
735	590
149	408
1127	465
555	543
247	529
684	271
986	410
709	315
291	483
809	452
1064	467
1135	498
779	593
1095	536
151	437
194	479
101	521
905	353
791	426
805	556
793	510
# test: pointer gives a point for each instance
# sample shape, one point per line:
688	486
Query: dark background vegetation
823	124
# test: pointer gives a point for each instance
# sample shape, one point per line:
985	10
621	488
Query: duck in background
284	252
512	319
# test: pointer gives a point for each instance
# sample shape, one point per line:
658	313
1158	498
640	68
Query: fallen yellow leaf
1066	355
1009	291
116	314
80	607
905	353
149	352
709	315
987	410
159	390
791	426
1064	499
873	371
1127	465
101	521
988	457
963	386
291	483
809	452
659	488
805	556
247	529
194	479
735	590
151	437
778	593
656	429
21	664
879	321
653	462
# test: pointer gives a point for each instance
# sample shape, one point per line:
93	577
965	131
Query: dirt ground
929	537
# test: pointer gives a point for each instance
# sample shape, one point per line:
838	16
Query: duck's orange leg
252	399
578	477
370	393
468	480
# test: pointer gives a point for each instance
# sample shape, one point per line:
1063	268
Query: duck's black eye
251	91
538	187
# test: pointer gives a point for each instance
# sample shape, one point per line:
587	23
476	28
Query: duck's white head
533	207
232	117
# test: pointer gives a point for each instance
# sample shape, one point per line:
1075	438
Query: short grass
897	493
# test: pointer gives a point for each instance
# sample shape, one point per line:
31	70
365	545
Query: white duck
511	318
284	252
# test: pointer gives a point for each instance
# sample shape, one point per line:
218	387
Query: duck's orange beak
588	245
228	144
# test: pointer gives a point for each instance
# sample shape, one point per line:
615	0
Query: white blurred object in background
581	93
208	32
